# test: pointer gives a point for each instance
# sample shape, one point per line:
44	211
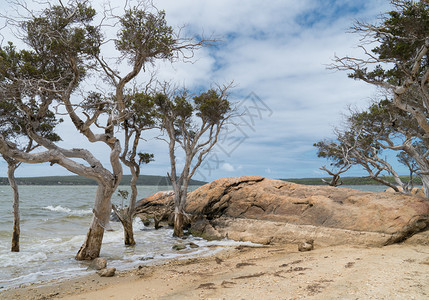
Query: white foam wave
18	258
67	210
48	256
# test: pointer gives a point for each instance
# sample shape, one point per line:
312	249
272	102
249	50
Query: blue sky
276	53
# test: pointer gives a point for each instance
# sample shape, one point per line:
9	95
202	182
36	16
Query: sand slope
271	272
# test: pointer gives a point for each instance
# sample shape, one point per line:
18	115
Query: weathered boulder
158	206
257	209
154	203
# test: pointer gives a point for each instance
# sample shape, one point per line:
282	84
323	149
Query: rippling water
54	222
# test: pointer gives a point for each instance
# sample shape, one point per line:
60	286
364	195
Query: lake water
54	223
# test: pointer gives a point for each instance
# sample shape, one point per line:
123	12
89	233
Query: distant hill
164	181
351	180
79	180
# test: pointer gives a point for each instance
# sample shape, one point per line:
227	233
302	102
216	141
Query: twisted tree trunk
100	222
425	181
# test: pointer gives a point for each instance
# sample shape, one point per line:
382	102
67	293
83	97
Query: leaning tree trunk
425	182
100	221
16	221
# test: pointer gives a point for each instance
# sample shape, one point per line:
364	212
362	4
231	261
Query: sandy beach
398	271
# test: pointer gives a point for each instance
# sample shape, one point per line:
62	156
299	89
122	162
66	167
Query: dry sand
271	272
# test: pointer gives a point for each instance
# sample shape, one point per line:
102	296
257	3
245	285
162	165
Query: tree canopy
66	46
399	64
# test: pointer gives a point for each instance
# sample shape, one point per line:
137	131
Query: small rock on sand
109	272
98	263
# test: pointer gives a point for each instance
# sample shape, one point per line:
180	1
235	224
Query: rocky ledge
261	210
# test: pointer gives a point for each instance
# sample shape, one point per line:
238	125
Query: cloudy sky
276	52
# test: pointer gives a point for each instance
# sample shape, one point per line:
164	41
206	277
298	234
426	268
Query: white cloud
278	50
228	167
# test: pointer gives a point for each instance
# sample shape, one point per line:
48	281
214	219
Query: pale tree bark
406	29
335	175
12	166
94	238
126	216
419	158
196	142
107	183
425	180
375	162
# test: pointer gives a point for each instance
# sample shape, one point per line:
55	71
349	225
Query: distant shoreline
79	180
351	180
164	181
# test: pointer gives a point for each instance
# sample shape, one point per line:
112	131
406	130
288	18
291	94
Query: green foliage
123	194
144	180
331	151
18	67
211	107
142	109
94	102
145	158
182	108
145	35
400	36
64	30
350	180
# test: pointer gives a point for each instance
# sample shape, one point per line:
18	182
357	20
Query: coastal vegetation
151	180
66	46
92	68
350	180
195	137
398	123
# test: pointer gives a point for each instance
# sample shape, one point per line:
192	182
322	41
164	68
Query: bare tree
367	133
12	166
65	48
142	118
362	151
398	64
402	42
405	159
13	124
340	156
194	123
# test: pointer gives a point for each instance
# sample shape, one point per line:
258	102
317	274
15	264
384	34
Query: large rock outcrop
257	209
155	204
158	206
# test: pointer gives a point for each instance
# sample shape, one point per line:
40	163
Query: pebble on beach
109	272
98	263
